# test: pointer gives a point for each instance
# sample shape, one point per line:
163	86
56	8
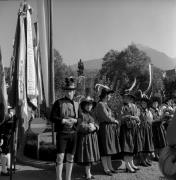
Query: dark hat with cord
156	99
145	99
69	84
106	91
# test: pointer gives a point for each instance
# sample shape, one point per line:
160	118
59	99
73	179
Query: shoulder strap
76	106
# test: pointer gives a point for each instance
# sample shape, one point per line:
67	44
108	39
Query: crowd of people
89	132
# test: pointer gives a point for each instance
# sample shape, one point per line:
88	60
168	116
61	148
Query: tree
108	61
80	68
121	68
61	72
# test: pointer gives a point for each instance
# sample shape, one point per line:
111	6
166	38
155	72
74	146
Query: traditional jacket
103	113
84	120
62	109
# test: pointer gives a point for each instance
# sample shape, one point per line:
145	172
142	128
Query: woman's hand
92	127
117	122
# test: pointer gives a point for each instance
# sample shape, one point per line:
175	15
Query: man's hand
69	121
1	142
12	112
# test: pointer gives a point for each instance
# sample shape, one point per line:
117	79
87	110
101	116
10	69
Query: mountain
159	59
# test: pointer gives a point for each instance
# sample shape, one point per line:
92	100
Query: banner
21	63
39	75
21	75
31	71
3	93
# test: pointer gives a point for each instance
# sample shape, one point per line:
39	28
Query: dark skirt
166	122
127	140
159	135
138	144
108	137
147	137
87	151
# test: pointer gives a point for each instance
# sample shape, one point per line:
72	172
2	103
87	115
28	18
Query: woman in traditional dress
130	142
87	151
167	111
146	132
108	131
159	133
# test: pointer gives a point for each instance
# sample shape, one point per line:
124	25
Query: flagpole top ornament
24	6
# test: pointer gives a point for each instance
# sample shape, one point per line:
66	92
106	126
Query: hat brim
130	96
88	102
84	103
145	100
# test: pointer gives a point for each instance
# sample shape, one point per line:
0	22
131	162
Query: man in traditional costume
64	117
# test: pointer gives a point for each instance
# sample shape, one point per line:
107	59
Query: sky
88	29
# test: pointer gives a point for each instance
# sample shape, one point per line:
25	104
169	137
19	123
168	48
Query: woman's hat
69	84
103	89
85	101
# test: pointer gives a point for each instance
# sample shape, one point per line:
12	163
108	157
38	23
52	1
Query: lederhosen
66	137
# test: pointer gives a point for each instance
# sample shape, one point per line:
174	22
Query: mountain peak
158	58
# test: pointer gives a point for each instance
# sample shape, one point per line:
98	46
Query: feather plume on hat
131	88
145	94
100	87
